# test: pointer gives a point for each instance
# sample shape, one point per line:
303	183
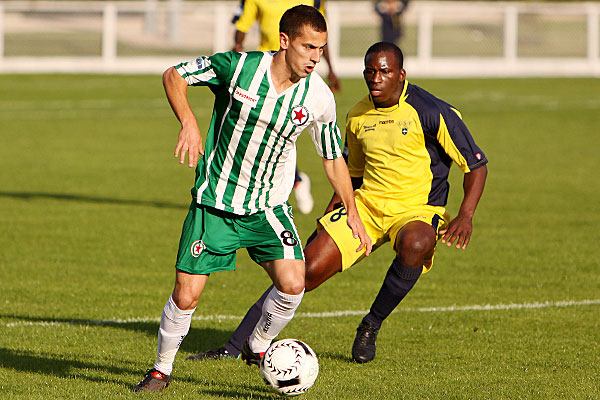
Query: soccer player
263	101
267	13
401	142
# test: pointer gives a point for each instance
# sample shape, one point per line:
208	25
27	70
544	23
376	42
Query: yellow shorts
381	225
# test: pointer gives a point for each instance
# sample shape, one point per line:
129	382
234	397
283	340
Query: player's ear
402	74
284	40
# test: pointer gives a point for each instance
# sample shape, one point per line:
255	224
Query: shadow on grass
92	199
50	364
57	365
62	366
197	340
345	357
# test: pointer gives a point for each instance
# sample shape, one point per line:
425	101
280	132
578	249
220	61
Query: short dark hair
387	47
295	18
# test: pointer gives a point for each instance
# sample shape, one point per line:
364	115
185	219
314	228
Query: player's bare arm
332	79
336	199
239	40
337	173
461	227
190	140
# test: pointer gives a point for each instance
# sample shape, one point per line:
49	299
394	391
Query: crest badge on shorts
299	115
197	247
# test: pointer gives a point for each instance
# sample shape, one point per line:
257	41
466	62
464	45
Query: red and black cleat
153	381
249	356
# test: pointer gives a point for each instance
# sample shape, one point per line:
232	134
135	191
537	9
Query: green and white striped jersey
250	150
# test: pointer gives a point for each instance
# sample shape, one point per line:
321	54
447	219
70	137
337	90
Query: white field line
332	314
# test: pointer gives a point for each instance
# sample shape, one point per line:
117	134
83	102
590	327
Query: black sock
399	280
245	328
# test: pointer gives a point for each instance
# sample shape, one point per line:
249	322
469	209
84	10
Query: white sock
174	326
278	310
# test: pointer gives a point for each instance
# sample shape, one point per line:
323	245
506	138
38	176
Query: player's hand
190	142
459	230
358	231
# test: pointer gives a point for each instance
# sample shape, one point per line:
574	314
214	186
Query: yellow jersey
404	152
268	13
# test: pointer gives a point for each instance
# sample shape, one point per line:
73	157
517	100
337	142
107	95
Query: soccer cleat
249	356
304	199
154	381
213	354
363	349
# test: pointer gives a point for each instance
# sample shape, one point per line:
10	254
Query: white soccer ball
289	366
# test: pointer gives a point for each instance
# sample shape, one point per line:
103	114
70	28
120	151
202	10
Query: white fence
442	39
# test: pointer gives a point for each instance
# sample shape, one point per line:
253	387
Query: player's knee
415	243
292	286
295	288
185	299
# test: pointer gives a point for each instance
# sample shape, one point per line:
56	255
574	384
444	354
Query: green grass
91	206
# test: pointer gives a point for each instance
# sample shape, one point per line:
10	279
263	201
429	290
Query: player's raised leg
279	306
323	260
233	347
414	243
174	326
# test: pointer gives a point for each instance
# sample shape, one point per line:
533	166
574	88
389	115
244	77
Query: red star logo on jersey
299	115
197	248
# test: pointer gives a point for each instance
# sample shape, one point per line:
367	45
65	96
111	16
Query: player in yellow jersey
401	141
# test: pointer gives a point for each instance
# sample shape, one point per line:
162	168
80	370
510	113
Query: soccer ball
289	366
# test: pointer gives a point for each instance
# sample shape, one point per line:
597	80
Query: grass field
91	206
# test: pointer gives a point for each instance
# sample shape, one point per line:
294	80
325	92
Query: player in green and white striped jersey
250	146
263	101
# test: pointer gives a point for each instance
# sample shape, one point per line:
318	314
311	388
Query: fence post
593	42
150	20
109	34
333	31
222	39
511	35
173	20
425	35
1	33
